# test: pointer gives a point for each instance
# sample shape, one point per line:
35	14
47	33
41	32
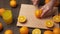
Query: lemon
36	31
22	19
13	3
49	23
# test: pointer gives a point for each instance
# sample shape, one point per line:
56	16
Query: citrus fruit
1	26
22	19
56	18
13	0
47	1
49	23
1	11
36	31
56	3
38	13
8	32
13	3
56	30
24	30
48	32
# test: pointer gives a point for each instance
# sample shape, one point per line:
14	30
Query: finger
45	10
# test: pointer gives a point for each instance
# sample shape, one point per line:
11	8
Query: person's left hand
35	2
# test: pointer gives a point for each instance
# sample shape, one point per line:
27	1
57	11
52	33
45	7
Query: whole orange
38	13
1	26
47	1
56	30
24	30
48	32
8	32
56	3
13	3
1	11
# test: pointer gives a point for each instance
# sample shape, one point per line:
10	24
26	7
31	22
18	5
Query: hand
47	9
35	2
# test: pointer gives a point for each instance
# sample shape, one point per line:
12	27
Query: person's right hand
47	8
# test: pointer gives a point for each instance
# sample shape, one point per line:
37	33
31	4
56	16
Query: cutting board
33	22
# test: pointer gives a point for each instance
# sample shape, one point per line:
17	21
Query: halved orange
49	23
36	31
22	19
38	13
56	18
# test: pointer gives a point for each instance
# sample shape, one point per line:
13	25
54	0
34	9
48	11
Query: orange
13	0
22	19
1	26
56	3
24	30
49	23
1	11
36	31
13	3
38	13
8	32
56	18
56	30
47	1
48	32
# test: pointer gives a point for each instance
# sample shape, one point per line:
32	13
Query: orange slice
56	18
22	19
36	31
38	13
49	23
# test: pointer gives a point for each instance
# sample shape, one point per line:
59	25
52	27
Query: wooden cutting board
32	21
